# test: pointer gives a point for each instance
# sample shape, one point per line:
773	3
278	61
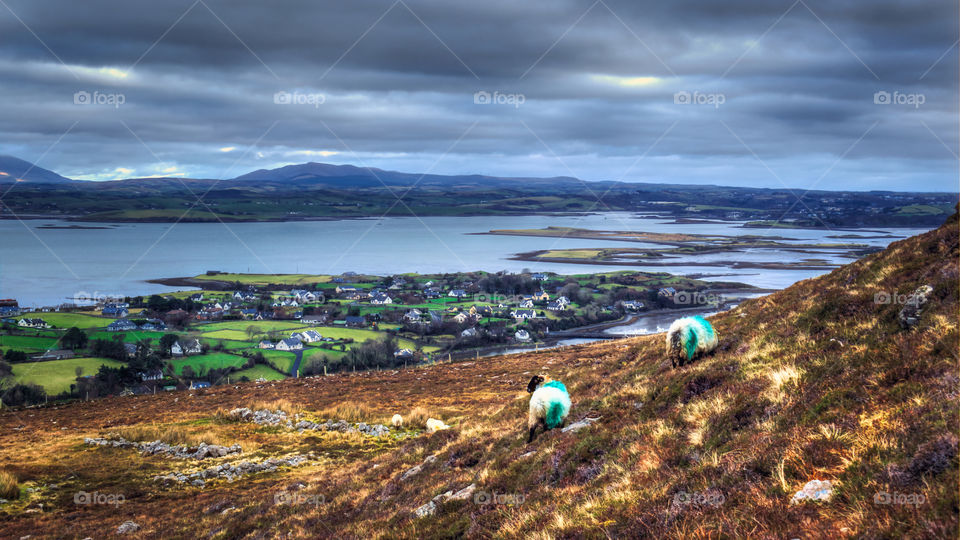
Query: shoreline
531	256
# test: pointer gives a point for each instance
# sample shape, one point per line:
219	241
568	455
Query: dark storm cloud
598	82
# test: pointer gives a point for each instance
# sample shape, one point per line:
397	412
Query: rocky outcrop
128	527
814	490
201	451
430	508
374	430
275	418
261	417
909	316
412	471
577	426
230	471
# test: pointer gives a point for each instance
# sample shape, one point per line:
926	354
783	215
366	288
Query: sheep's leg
533	429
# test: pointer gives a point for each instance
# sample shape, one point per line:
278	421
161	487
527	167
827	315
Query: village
241	327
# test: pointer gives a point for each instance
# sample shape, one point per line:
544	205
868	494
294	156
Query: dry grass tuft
276	405
174	435
9	488
417	418
352	411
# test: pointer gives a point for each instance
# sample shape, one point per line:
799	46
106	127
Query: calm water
47	266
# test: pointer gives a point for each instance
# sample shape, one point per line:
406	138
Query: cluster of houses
9	308
129	325
117	310
250	306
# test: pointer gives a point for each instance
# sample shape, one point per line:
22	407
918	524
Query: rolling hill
820	381
319	191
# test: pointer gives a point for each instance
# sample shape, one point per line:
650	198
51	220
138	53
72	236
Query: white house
308	336
289	344
35	323
186	348
522	335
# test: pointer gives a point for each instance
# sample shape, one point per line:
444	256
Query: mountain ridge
14	169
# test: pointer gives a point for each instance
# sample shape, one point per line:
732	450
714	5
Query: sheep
434	425
397	420
690	337
549	405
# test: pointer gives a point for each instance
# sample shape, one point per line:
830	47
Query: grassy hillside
816	382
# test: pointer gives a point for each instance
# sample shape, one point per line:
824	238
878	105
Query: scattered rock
814	490
374	430
417	468
229	471
411	472
127	527
201	451
428	509
463	494
909	316
577	426
261	417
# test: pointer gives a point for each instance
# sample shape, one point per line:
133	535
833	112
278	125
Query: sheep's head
675	345
534	383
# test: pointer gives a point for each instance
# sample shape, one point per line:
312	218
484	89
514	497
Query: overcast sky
741	92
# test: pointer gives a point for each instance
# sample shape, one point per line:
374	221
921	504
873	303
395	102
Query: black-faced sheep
549	404
688	338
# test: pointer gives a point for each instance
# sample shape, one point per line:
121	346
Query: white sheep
434	425
549	405
688	338
397	420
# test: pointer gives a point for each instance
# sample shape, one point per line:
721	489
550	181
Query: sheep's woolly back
397	420
696	336
550	402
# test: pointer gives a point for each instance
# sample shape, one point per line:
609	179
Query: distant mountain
17	170
346	176
308	170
